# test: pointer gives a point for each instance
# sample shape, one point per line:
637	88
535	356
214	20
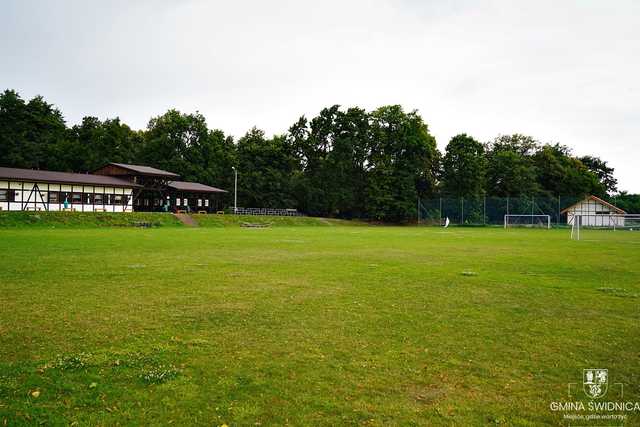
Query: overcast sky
560	71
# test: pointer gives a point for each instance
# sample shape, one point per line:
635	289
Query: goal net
629	222
531	221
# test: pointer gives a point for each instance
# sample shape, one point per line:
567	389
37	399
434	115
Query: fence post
507	205
484	209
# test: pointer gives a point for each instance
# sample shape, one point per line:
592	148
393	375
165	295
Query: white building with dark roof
595	212
37	190
115	187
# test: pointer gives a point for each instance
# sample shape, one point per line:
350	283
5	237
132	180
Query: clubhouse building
595	212
116	187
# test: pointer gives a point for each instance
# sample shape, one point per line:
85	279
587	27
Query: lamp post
235	190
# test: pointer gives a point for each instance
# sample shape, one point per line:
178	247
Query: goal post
516	220
607	221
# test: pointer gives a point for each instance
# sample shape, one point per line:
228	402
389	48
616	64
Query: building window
603	213
206	202
178	202
4	196
88	198
54	197
64	197
76	198
199	202
185	202
117	200
98	199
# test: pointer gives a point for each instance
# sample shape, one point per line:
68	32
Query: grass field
30	219
302	325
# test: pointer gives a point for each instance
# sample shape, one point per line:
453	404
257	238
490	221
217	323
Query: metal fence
483	210
266	211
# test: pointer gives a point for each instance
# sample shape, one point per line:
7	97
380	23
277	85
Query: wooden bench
202	212
255	225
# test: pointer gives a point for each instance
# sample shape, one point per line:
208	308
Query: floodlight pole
235	190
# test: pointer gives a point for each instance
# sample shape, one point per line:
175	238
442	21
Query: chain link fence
491	210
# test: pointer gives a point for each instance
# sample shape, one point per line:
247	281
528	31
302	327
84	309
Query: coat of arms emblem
595	382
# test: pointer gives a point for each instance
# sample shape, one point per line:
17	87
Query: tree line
348	163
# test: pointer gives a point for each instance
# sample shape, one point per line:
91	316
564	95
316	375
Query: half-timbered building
115	187
38	190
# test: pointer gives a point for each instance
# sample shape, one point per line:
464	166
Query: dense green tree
319	196
217	154
602	170
403	160
332	152
463	167
559	173
29	131
510	167
630	203
265	167
347	163
93	143
172	142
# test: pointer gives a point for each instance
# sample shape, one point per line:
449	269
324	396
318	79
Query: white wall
26	198
595	214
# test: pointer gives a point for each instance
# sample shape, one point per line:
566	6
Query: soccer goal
538	221
607	221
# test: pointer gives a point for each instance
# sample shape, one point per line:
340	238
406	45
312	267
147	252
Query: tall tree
93	143
463	167
510	167
559	173
332	153
602	170
29	131
630	203
173	142
265	168
402	161
347	163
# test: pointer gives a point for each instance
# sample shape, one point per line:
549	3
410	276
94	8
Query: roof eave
597	199
166	174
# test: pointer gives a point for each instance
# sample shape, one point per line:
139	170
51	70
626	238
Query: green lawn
302	325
